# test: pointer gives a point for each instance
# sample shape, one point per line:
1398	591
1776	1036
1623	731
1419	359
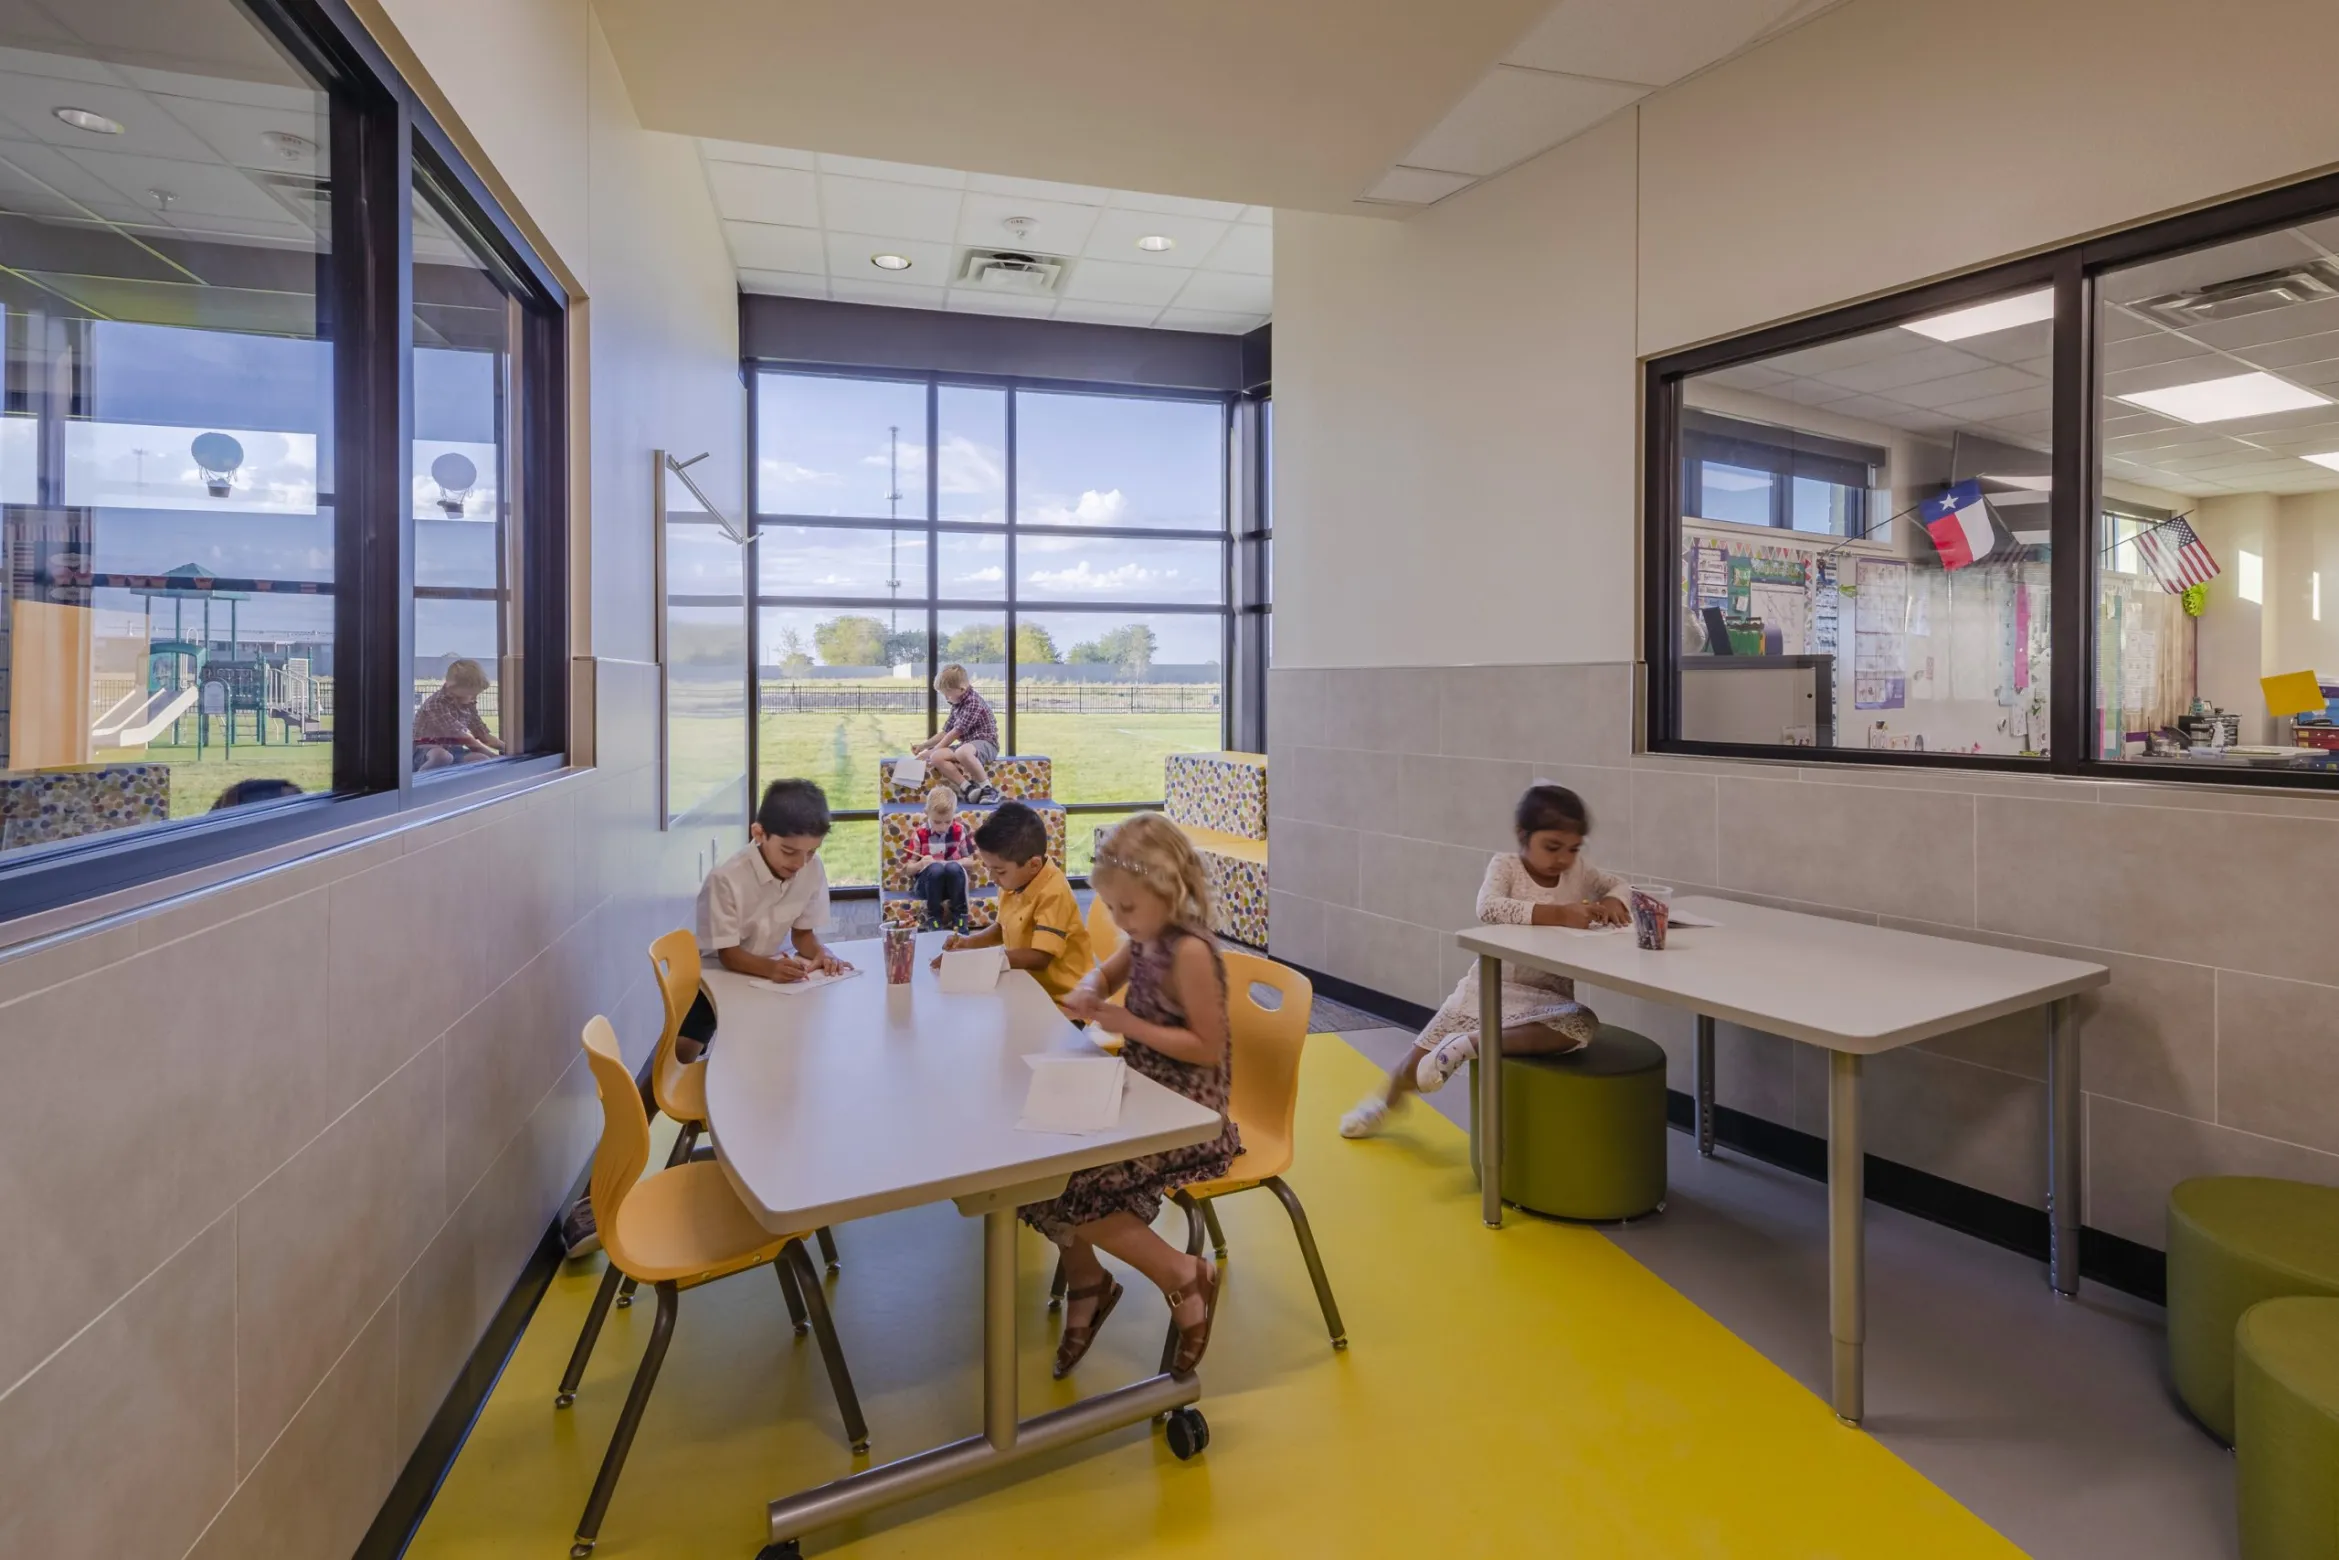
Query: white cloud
1094	508
1081	577
985	576
967	467
793	475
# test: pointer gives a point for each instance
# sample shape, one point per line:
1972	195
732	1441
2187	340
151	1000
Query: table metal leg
2063	1128
1847	1260
1489	1106
1005	1438
1705	1085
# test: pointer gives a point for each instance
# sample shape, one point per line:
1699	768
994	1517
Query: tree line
865	641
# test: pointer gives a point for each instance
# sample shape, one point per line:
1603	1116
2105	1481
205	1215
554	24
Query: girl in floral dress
1173	1024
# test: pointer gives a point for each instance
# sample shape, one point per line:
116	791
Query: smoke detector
1020	271
1019	228
2316	281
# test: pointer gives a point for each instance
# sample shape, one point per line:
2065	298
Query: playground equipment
184	678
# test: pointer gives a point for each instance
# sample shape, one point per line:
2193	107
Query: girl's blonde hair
464	676
1151	850
951	679
941	802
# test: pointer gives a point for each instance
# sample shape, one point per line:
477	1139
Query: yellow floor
1528	1393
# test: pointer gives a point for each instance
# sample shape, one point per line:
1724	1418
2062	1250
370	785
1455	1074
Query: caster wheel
791	1550
1189	1432
581	1549
564	1400
1340	1342
625	1302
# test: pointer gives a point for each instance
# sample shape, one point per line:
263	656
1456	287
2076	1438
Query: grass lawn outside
197	781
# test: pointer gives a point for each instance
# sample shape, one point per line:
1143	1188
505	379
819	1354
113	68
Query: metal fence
784	698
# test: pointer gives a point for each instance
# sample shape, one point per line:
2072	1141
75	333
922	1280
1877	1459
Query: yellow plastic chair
1104	933
676	1229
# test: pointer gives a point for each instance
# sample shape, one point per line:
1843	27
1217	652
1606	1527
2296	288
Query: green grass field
197	781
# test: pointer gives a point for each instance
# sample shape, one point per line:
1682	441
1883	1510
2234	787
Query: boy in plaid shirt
938	851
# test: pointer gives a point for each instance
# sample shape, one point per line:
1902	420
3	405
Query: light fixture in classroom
2224	399
1157	243
2330	459
1982	318
890	262
85	119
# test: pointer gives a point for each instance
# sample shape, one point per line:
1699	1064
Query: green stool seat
2286	1438
1584	1134
2234	1240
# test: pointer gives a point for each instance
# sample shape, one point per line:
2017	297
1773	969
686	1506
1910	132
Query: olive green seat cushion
2286	1429
1584	1134
2234	1241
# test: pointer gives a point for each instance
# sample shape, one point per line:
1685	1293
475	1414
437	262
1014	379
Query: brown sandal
1076	1339
1192	1341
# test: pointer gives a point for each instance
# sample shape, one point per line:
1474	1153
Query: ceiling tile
1940	393
786	284
1116	233
237	131
1177	206
1513	114
1418	186
930	264
969	300
1885	375
1061	227
1038	189
897	295
1990	408
893	172
1625	40
1209	320
1246	249
1115	281
31	101
1827	357
747	152
1262	215
1227	293
763	246
1084	312
753	193
890	210
196	188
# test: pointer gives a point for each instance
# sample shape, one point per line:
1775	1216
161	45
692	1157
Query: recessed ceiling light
95	124
890	262
2331	460
2222	400
1982	318
1157	243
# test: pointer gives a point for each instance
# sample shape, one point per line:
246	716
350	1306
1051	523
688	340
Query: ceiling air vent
2314	282
1019	271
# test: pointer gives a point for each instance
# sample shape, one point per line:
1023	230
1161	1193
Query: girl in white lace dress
1546	883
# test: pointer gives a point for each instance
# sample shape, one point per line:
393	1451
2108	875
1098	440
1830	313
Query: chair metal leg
828	1247
832	1353
1169	1343
1217	1235
621	1441
683	1142
588	1337
625	1295
1307	1250
794	1293
1057	1285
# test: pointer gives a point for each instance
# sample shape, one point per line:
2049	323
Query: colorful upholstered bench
1226	792
1020	777
41	806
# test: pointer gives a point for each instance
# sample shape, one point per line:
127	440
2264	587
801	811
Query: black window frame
1234	480
2075	501
381	132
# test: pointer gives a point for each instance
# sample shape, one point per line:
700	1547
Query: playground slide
109	725
162	708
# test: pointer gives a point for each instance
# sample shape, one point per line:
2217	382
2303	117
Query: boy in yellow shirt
1039	920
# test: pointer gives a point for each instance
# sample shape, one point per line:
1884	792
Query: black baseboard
1403	1014
2105	1259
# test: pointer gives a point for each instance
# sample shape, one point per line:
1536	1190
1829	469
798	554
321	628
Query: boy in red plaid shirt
938	851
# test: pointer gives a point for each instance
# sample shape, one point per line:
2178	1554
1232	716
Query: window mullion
2071	625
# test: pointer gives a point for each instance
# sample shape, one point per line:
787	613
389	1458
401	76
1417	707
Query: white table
860	1098
1851	989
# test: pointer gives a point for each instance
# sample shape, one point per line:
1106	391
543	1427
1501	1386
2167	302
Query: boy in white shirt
773	895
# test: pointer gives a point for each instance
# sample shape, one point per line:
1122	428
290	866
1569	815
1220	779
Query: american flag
2176	557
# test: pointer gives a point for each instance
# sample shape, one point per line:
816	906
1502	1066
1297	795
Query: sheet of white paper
909	771
1682	918
796	988
1073	1094
970	971
1592	931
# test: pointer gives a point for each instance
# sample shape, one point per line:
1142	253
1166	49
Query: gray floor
2049	1419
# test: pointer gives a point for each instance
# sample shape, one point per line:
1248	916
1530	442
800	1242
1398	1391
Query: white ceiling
1998	384
1582	62
806	225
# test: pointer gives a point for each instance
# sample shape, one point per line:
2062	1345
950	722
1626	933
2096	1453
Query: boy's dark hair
245	792
793	807
1014	833
1551	807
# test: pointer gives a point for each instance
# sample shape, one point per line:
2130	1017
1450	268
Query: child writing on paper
1173	1024
1546	883
770	898
1039	921
937	860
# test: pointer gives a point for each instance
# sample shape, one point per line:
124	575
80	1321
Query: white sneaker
1450	1057
1371	1113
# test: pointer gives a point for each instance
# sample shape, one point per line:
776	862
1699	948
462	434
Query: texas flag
1959	523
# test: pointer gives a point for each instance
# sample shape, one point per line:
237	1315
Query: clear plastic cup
1652	912
901	953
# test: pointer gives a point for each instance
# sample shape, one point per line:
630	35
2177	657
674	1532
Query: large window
2078	513
235	569
1068	547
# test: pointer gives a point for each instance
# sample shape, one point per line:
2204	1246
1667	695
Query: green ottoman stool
2234	1240
1584	1134
2286	1437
